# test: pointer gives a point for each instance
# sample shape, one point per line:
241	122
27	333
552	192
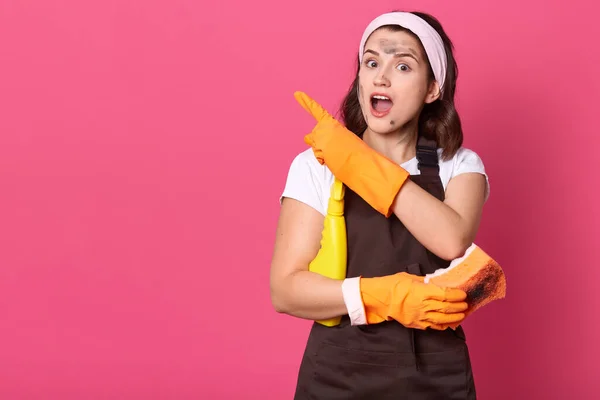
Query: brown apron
387	360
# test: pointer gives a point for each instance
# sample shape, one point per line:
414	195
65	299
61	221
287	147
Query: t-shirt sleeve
304	183
468	161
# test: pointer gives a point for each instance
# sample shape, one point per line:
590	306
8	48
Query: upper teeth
381	97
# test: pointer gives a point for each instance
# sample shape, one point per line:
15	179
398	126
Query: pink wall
135	244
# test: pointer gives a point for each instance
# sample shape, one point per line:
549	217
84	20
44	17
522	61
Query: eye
403	67
371	63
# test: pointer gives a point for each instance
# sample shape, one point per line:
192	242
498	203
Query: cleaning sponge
480	276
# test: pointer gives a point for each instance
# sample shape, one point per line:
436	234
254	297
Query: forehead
402	39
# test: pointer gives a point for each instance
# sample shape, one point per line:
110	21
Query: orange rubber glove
372	176
407	299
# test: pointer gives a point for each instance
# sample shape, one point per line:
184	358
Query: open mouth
381	104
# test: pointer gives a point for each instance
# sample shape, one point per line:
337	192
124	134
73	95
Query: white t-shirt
310	182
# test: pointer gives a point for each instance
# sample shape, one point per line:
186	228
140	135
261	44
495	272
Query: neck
399	146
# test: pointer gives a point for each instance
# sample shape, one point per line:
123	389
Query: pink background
135	242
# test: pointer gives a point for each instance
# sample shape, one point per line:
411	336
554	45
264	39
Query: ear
433	93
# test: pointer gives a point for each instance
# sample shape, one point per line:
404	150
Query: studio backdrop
143	149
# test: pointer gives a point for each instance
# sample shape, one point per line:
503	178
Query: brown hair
438	120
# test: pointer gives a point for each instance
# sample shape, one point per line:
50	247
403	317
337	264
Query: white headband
431	40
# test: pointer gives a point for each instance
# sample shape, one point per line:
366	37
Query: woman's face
394	80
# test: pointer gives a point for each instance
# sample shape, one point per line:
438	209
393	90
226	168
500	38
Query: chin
382	127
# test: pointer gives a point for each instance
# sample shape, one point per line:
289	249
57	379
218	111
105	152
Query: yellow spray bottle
331	258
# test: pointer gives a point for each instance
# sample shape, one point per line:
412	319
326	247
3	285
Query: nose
381	78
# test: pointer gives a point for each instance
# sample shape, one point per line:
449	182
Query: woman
413	201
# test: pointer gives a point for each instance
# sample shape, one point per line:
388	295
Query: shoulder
464	161
308	181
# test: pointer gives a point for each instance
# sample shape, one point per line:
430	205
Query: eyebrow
410	54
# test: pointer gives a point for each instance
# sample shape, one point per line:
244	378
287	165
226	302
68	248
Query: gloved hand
407	299
369	174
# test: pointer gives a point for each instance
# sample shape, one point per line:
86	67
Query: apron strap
427	157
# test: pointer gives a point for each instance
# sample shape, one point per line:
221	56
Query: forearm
432	222
308	295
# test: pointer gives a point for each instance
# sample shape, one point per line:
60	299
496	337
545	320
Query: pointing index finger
310	105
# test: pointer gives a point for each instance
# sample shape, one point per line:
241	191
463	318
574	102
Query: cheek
423	86
361	89
361	79
366	76
410	89
361	97
362	100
